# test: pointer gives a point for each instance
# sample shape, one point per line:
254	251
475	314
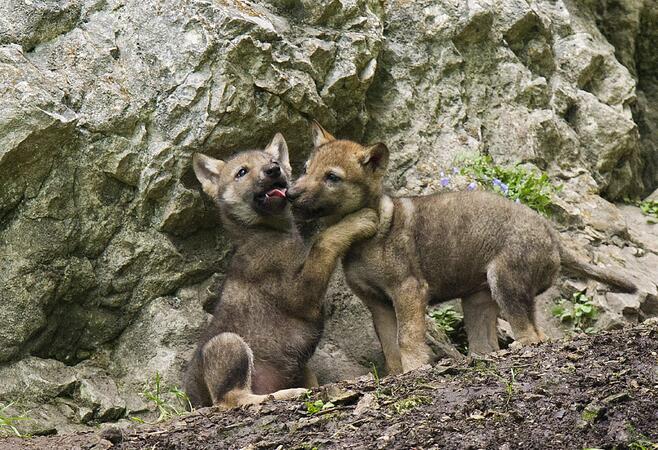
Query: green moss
407	404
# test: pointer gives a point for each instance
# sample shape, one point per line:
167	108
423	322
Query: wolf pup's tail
574	264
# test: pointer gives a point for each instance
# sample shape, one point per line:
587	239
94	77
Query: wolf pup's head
340	177
250	187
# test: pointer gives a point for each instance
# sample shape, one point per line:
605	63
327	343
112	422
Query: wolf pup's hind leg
227	365
515	299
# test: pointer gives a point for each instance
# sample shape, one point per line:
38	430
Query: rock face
110	258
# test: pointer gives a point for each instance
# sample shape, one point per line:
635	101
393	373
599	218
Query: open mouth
273	193
276	192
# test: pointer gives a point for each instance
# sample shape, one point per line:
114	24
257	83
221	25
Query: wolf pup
492	253
270	316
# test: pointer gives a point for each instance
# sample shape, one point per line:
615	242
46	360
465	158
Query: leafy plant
517	183
451	322
170	401
448	319
8	422
580	311
650	208
318	406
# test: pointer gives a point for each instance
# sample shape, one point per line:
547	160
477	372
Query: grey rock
110	255
36	379
101	395
653	196
160	340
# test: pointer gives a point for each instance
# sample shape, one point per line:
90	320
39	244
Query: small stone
367	403
336	395
616	398
112	434
574	356
592	412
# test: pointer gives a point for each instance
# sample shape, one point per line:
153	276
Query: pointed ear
207	171
278	150
320	135
375	158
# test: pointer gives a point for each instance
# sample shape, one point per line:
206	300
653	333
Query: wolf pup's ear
375	158
320	135
207	171
278	150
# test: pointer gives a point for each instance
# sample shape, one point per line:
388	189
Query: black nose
293	193
272	171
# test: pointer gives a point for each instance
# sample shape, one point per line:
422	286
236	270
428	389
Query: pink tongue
281	193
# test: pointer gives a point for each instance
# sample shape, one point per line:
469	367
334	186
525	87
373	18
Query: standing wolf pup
490	252
270	317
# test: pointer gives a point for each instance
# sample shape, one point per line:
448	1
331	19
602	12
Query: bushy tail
574	264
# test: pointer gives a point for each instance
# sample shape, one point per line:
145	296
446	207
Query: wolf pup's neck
240	232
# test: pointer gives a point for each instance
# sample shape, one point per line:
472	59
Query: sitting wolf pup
488	251
270	317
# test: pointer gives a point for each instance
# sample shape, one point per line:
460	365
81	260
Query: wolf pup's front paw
363	223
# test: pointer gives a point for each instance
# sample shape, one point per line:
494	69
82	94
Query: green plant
169	401
517	183
314	407
642	444
448	319
640	441
378	387
451	322
404	405
508	383
580	312
8	422
650	208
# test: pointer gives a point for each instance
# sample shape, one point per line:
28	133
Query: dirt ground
591	392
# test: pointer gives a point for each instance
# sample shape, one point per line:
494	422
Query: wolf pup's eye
242	172
332	177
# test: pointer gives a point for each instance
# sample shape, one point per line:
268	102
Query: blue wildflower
503	187
442	174
472	186
445	181
455	171
496	182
